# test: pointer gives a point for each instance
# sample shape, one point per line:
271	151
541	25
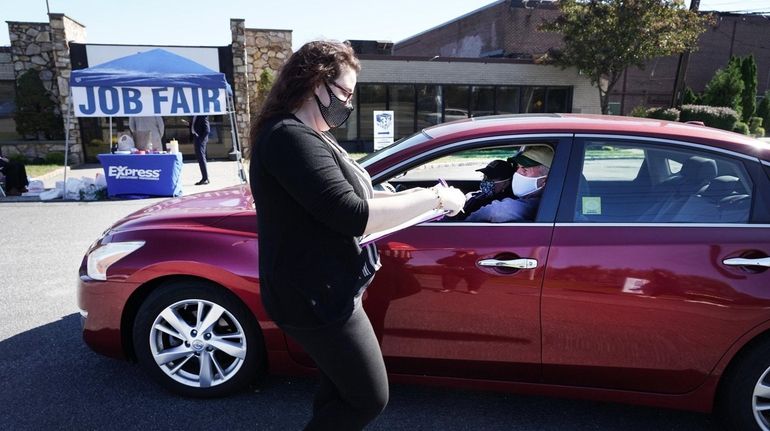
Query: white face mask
524	186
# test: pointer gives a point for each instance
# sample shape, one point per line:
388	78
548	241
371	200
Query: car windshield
416	139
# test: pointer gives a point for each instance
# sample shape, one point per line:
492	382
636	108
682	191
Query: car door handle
739	261
514	263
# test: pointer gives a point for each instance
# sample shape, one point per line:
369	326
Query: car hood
200	209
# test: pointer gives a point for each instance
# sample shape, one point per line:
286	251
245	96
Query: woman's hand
452	199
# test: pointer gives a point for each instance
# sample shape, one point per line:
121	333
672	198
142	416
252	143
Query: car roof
601	124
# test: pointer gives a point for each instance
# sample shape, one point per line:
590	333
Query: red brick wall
496	28
510	29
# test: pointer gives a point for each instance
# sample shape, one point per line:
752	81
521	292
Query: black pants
354	384
200	154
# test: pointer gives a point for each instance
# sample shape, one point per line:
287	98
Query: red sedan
642	279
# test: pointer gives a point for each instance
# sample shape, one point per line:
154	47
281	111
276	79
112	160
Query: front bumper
102	304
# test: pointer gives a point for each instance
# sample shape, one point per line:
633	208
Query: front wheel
743	402
196	339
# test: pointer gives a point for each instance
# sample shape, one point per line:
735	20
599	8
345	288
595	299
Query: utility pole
47	8
681	69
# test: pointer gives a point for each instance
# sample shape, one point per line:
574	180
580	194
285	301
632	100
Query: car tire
746	385
197	339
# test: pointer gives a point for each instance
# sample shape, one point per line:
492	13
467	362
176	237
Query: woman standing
313	204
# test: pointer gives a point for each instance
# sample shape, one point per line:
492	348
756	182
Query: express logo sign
124	172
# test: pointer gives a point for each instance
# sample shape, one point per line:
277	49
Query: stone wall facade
45	47
63	31
31	48
265	50
254	50
240	82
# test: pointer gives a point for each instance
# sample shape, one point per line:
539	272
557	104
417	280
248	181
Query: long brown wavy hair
316	62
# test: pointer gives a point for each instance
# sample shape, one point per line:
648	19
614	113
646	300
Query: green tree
726	87
763	110
35	111
604	37
264	84
749	96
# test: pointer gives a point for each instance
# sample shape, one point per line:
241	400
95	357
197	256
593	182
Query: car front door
438	310
643	291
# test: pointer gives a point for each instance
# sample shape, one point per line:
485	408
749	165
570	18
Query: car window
611	162
459	166
644	183
495	202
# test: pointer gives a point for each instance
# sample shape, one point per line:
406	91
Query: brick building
508	28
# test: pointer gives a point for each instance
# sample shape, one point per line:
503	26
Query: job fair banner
109	101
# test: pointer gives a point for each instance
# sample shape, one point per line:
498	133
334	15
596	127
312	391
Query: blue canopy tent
151	83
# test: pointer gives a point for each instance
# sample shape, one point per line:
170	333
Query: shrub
18	157
54	158
639	111
759	132
670	114
719	117
754	123
35	113
690	98
726	87
741	127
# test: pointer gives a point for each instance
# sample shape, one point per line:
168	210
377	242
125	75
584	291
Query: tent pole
236	144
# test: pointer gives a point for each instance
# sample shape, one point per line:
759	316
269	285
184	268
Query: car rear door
644	290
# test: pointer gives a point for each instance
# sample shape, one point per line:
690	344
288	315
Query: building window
417	106
429	103
557	100
95	132
482	100
507	101
401	101
614	108
371	97
456	101
533	100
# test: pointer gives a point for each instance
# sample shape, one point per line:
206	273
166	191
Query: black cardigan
310	211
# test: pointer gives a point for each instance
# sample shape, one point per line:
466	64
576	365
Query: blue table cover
139	175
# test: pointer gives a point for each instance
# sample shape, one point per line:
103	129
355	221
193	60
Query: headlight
104	256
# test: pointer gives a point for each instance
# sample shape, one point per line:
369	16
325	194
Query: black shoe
202	182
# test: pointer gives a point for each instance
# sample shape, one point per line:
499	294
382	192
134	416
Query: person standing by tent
314	203
200	128
15	173
147	130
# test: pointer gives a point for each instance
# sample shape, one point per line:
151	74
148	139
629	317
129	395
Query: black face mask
337	112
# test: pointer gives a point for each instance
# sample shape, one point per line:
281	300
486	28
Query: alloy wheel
198	343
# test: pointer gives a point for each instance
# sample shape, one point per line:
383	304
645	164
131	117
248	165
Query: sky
206	23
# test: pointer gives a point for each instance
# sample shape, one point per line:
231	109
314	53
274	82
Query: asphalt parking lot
51	380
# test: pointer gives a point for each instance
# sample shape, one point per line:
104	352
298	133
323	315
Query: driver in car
495	185
532	167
